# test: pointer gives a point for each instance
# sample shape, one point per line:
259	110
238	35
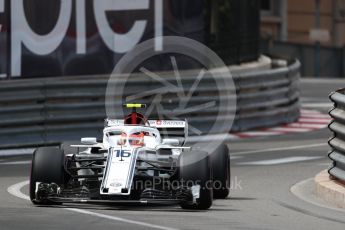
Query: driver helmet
136	139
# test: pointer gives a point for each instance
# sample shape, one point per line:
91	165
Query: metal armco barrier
47	111
337	142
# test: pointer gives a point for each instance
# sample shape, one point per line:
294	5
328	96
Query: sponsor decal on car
115	184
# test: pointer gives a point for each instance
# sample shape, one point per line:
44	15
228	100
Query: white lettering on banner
81	27
2	5
159	25
120	43
2	8
23	35
38	44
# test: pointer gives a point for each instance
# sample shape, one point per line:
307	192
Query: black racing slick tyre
47	167
221	172
195	168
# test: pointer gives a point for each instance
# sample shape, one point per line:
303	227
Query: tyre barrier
48	111
337	142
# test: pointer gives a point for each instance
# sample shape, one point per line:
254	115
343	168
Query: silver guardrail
337	142
47	111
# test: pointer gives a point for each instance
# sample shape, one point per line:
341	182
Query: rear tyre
195	168
47	167
221	172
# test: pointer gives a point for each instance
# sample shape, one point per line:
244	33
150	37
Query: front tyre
47	167
220	160
195	168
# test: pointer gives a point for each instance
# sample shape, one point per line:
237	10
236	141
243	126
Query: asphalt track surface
263	172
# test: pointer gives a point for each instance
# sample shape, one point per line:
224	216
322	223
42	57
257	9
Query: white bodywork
128	146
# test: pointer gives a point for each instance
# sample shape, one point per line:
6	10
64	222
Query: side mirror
89	140
173	142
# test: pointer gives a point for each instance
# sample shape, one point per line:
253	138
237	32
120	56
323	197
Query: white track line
281	149
315	120
119	219
212	137
325	164
313	115
259	133
303	111
235	157
15	190
307	125
317	105
280	161
291	129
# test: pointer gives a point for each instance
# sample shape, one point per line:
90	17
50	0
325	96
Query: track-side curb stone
329	190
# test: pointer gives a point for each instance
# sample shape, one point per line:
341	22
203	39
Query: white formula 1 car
134	164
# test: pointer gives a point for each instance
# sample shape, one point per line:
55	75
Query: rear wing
168	128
